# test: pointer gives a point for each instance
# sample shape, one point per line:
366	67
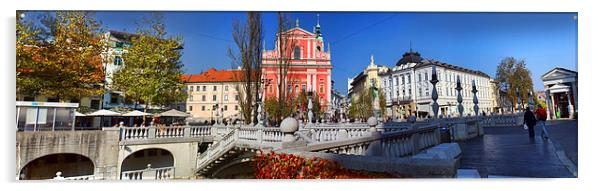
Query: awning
136	113
174	113
78	114
103	112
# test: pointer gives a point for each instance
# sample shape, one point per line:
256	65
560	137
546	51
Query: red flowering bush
283	166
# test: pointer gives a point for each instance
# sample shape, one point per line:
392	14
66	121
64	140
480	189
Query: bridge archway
155	157
239	167
46	167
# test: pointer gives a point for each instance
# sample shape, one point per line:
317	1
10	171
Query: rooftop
213	75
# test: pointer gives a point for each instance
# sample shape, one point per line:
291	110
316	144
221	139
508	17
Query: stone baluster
459	99
434	95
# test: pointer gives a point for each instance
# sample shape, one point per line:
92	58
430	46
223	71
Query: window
95	104
226	88
410	92
118	61
319	48
236	107
321	88
204	88
236	97
403	80
409	79
114	98
297	53
203	108
420	77
197	88
190	108
225	97
225	108
304	88
214	97
190	98
296	88
420	92
203	98
214	88
397	81
290	88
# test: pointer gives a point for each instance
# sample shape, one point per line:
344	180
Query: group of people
532	118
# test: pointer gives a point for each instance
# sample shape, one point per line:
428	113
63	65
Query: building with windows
408	90
310	67
560	86
211	92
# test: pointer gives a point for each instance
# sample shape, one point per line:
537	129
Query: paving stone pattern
508	151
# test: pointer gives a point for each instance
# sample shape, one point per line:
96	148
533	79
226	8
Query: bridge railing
397	143
511	120
149	173
157	132
84	177
218	148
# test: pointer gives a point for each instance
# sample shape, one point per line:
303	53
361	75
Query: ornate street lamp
459	99
475	100
434	95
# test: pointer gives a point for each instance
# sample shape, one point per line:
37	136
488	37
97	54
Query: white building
408	90
561	91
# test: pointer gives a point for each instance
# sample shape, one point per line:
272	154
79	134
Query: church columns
553	106
574	90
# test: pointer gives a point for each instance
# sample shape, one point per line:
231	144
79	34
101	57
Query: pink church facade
310	67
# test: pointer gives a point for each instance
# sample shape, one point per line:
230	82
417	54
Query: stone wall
101	147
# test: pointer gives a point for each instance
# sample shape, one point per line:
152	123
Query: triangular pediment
298	31
557	73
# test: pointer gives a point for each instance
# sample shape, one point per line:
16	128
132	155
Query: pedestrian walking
530	121
542	116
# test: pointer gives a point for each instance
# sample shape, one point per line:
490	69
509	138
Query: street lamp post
475	100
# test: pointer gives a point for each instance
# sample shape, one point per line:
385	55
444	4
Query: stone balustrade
397	143
219	148
141	133
84	177
149	174
511	120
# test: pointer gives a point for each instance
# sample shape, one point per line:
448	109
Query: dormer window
319	48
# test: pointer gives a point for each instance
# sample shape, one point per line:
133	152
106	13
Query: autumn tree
248	38
61	58
513	77
27	40
152	67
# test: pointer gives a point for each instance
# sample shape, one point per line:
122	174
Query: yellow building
213	92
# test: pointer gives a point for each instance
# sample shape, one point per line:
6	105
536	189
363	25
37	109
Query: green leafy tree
382	103
152	68
512	76
361	106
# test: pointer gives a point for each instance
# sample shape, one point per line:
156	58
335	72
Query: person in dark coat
530	120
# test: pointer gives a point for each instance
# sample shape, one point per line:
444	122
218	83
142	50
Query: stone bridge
226	151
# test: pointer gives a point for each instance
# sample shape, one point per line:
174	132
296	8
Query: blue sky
473	40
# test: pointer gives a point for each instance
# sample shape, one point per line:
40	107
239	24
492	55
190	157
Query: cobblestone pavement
509	152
